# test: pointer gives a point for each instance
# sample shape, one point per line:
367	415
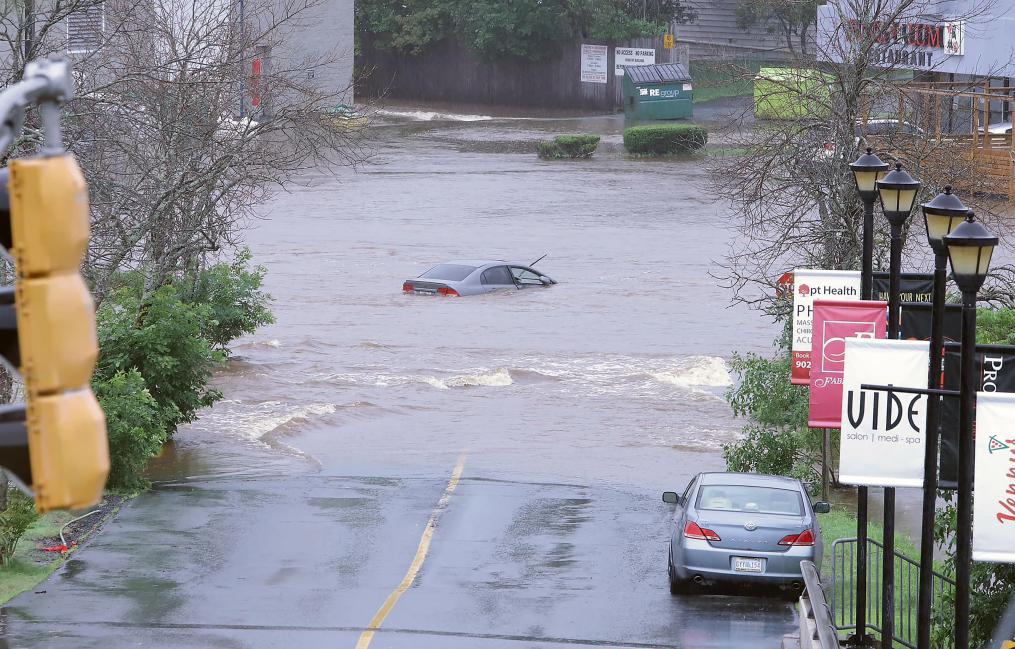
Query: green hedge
665	138
568	146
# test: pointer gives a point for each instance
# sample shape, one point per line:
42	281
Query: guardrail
816	628
907	590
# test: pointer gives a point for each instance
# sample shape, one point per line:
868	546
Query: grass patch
22	575
567	146
841	524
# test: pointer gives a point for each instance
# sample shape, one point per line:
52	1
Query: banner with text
995	365
994	478
883	434
810	285
913	287
834	322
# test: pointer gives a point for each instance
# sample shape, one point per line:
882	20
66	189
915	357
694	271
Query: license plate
747	564
425	291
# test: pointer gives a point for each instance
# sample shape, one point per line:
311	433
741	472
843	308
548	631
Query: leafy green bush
665	139
161	338
14	520
135	426
568	146
232	292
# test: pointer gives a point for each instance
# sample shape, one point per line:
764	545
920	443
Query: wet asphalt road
277	556
291	511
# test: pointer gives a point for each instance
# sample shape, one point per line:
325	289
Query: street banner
917	321
996	369
882	440
810	285
834	322
913	287
994	478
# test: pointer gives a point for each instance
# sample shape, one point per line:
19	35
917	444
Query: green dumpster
791	93
661	91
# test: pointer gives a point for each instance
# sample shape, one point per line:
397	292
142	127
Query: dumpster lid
660	73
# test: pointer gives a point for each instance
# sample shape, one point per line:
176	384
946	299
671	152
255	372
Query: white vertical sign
810	285
994	478
594	62
882	438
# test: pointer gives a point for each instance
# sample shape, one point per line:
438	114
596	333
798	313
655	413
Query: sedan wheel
677	586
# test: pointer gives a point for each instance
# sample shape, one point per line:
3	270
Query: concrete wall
327	32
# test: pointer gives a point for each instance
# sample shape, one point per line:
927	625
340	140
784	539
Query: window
85	27
741	498
449	272
525	276
498	275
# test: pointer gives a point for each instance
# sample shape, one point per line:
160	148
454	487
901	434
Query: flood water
616	375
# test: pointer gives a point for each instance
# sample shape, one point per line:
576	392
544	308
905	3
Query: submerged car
743	528
458	278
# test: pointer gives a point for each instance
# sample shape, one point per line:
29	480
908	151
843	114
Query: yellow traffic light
57	343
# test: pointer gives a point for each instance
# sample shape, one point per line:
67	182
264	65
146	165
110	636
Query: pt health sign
994	478
594	63
810	285
835	322
883	434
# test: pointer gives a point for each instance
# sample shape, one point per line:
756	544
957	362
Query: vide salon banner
994	478
883	434
810	285
834	322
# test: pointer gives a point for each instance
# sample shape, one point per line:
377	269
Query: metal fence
907	590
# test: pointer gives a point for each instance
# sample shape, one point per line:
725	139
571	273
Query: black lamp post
970	247
898	193
867	170
941	215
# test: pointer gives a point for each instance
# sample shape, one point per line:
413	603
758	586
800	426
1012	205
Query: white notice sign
883	438
631	56
994	478
594	63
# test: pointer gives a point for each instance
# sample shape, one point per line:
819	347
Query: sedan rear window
742	498
449	272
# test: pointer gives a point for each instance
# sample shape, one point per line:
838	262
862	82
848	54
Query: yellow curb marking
417	562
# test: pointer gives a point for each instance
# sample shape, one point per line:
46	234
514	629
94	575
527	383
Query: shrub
568	146
135	427
14	520
665	139
232	292
161	338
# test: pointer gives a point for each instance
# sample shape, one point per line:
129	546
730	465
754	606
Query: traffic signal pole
55	443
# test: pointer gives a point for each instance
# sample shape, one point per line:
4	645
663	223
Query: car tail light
803	538
407	287
450	292
692	531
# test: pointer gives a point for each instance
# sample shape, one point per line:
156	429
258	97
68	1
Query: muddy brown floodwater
614	375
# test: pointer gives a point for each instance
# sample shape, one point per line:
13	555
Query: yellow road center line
417	562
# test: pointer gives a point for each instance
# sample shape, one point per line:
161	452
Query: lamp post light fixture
941	216
970	247
867	170
897	191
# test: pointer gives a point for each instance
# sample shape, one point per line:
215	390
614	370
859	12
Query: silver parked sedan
743	528
469	277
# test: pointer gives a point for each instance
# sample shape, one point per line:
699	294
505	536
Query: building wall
715	35
326	32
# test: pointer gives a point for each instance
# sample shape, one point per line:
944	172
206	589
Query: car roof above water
756	479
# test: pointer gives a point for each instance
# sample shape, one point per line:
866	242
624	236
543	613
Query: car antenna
538	260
